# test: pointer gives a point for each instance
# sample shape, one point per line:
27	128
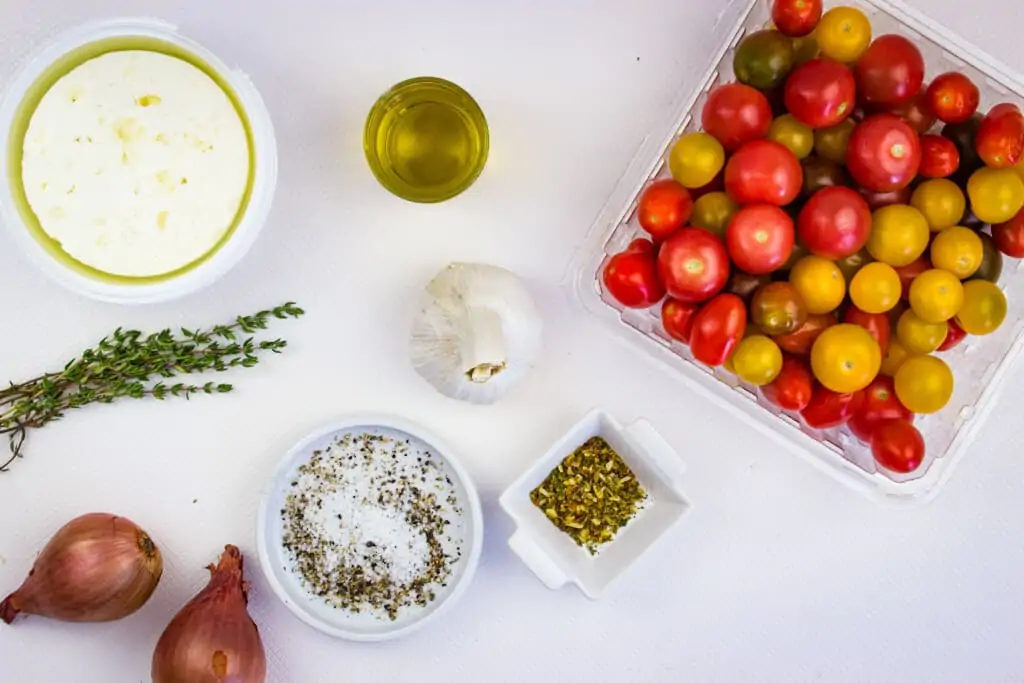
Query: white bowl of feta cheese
138	168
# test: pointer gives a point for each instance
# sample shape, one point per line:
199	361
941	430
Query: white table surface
779	574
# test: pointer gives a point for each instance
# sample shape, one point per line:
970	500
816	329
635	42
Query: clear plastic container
980	364
63	53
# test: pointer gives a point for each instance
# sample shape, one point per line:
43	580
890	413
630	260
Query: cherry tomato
996	194
693	265
821	173
757	360
804	50
910	271
831	143
821	93
877	325
759	238
939	157
919	336
664	207
796	18
876	200
828	409
991	260
736	113
1000	137
712	212
797	137
963	135
884	153
717	184
696	159
953	97
916	112
958	250
936	295
954	335
631	276
677	318
778	308
793	388
941	201
763	59
899	235
1009	236
844	33
879	404
718	328
890	71
801	341
924	384
984	308
897	446
763	171
820	283
898	354
835	223
875	288
845	358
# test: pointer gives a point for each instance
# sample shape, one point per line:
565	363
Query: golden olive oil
426	140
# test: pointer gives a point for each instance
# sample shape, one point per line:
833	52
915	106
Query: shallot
213	639
97	567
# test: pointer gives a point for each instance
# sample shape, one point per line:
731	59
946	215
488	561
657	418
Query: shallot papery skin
97	567
213	639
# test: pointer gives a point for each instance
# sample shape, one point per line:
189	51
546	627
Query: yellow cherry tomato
843	34
713	211
1019	168
941	201
924	384
997	194
919	336
899	235
936	295
757	360
984	308
876	288
958	250
797	137
895	358
696	159
831	143
845	358
820	283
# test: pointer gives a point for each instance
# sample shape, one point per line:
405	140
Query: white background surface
780	574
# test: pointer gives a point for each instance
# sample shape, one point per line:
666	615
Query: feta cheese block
136	162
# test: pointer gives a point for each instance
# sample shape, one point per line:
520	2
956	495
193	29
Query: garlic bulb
476	333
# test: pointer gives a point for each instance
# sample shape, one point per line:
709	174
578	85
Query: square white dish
551	554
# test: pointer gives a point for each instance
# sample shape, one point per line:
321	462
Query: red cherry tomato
631	276
664	207
821	93
835	223
953	97
1009	236
890	71
880	403
760	238
908	272
877	325
763	171
884	153
693	265
1000	137
939	157
793	388
718	329
677	318
877	200
796	18
735	113
954	335
916	112
801	341
898	446
828	409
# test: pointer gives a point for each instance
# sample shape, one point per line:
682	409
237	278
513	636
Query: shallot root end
9	611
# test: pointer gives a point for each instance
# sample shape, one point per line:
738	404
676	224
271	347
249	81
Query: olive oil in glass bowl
426	140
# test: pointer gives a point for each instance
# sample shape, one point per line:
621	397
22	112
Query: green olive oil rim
30	102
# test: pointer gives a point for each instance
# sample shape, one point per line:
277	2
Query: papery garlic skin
477	332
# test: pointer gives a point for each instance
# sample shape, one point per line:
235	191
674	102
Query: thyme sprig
130	364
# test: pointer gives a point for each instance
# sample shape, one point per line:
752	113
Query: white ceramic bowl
115	32
551	554
316	612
